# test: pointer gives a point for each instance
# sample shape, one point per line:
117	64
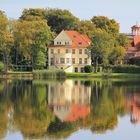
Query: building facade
69	52
133	52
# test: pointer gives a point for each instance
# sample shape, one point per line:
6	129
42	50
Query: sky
125	12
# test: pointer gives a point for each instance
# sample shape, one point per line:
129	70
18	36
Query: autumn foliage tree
106	24
6	39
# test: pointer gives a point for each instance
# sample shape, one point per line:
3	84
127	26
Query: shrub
126	69
49	74
88	69
1	67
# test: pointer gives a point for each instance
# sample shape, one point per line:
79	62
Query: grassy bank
59	74
19	72
102	75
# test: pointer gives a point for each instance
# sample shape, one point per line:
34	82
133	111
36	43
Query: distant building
133	52
69	52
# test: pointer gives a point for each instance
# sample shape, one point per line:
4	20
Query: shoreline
29	75
17	76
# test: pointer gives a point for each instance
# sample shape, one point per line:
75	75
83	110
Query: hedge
125	69
88	69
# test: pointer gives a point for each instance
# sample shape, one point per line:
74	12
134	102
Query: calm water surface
70	109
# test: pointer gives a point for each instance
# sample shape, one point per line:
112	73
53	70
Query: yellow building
69	52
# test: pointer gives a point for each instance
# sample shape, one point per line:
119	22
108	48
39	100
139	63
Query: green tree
33	14
60	20
40	60
57	19
86	27
102	45
117	55
124	41
32	39
106	24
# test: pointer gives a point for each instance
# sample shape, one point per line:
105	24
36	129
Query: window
58	50
62	60
66	43
80	51
52	51
86	51
80	43
67	60
52	61
85	60
73	51
76	69
67	51
80	60
73	60
58	43
82	69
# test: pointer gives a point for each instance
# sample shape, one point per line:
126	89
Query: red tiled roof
85	37
78	40
132	49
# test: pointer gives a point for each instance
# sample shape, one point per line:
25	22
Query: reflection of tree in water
32	116
106	103
4	109
58	129
3	120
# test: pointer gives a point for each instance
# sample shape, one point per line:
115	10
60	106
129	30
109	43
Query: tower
135	30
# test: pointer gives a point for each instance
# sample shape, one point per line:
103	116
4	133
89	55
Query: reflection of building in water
134	104
69	100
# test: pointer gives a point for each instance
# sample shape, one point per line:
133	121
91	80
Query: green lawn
90	75
19	72
102	75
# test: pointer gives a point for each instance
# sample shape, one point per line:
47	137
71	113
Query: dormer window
66	43
80	43
58	43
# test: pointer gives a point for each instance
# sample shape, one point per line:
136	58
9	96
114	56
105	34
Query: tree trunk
96	65
5	59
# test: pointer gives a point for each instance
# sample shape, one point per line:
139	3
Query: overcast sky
126	12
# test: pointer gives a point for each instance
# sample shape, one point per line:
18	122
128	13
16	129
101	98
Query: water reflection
69	100
56	109
133	102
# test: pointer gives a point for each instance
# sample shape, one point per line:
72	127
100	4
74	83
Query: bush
88	69
1	67
49	74
125	69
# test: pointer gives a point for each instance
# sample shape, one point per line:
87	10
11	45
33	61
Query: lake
70	109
